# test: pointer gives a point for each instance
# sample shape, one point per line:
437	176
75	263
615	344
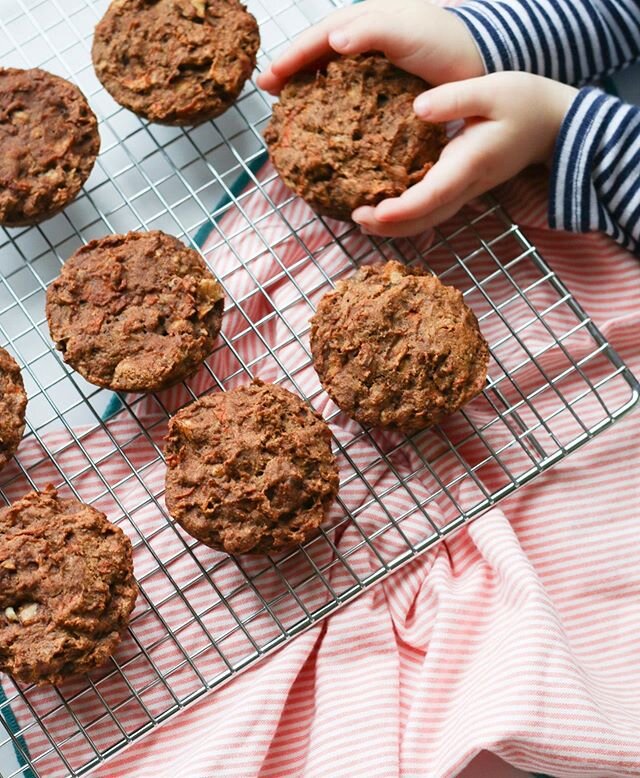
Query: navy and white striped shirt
595	182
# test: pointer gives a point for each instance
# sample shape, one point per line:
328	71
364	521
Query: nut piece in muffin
135	312
394	347
349	136
49	142
250	470
66	588
176	62
13	406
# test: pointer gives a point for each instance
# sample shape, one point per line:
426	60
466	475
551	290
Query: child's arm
567	40
595	181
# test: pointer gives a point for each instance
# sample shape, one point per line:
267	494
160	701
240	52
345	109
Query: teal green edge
12	723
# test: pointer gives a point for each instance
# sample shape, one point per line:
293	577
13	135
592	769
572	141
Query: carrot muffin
13	405
175	61
49	142
66	588
250	470
348	136
135	312
394	347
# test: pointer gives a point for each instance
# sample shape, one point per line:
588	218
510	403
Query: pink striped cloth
517	636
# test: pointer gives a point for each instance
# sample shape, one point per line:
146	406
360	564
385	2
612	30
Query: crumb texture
175	62
49	142
135	312
250	470
66	588
349	137
13	406
394	347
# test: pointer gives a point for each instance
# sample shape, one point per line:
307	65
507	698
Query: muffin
66	588
135	312
49	142
250	470
177	62
13	406
394	347
348	136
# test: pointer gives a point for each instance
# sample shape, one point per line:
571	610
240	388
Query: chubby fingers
457	100
464	170
371	226
459	165
378	30
364	27
447	180
310	46
404	229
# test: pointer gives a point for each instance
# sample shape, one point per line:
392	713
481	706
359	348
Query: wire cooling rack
554	383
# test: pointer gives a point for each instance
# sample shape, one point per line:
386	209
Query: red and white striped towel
516	636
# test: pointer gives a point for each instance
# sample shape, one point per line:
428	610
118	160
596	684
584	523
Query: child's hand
416	36
512	121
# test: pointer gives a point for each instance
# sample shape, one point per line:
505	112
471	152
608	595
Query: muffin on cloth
394	347
250	470
66	588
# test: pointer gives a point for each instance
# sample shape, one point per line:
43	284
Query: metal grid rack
202	616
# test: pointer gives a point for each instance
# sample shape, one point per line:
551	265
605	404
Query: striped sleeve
568	40
594	182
